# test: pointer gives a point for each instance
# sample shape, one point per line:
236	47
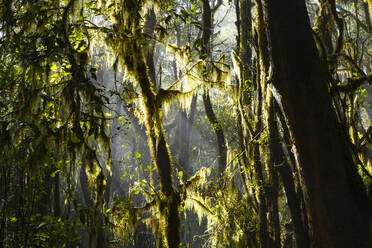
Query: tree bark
334	194
286	176
246	36
261	86
150	22
221	145
272	168
323	25
368	13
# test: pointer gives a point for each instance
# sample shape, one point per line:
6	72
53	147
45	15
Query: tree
335	196
206	54
278	155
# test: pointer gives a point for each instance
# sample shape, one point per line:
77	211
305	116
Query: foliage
99	99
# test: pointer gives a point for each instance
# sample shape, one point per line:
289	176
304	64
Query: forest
186	123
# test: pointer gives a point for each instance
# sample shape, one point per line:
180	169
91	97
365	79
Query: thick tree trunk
335	197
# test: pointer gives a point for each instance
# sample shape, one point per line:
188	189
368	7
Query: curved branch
352	85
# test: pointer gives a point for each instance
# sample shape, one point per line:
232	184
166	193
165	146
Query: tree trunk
237	24
134	60
221	146
323	25
272	168
261	85
286	175
334	194
367	5
287	149
57	200
169	214
246	36
150	22
206	53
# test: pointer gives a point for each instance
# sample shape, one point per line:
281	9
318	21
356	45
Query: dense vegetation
190	123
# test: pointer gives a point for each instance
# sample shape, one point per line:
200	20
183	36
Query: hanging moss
182	55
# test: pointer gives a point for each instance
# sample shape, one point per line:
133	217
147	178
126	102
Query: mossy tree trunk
244	98
133	54
169	200
336	202
259	128
323	25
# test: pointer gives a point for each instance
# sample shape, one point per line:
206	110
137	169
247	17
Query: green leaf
123	176
180	175
192	7
54	67
54	173
138	155
121	120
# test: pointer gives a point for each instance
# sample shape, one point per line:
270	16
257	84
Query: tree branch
352	85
